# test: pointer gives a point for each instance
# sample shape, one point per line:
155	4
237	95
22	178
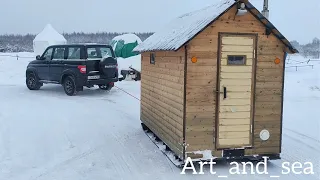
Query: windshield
98	52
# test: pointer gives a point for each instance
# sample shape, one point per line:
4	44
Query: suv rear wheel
69	85
32	82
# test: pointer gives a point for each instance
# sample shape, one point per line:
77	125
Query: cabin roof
184	28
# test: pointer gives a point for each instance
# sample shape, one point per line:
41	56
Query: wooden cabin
212	83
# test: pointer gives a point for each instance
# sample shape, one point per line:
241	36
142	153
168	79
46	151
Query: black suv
74	66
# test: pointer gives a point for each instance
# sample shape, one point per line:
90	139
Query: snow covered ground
47	135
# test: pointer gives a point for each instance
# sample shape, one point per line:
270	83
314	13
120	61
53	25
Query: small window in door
236	60
58	53
48	54
74	53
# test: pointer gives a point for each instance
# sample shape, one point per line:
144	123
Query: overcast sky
296	20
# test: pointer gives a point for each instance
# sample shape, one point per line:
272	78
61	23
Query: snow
49	34
127	38
47	135
206	154
162	147
180	30
125	63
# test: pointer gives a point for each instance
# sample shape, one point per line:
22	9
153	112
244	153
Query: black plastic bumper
100	81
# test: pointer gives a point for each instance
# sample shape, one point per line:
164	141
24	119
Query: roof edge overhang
230	7
260	17
256	13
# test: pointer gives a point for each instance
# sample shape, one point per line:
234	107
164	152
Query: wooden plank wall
201	84
162	92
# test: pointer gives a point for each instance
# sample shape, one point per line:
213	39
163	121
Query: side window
152	58
58	53
106	52
92	53
237	60
48	54
74	53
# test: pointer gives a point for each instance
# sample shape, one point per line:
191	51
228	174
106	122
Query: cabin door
236	93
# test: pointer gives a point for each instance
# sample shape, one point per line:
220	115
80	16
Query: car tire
69	86
32	82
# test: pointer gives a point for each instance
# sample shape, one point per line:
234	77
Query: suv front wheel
69	85
32	82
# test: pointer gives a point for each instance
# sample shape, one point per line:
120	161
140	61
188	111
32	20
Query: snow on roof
183	28
49	34
128	38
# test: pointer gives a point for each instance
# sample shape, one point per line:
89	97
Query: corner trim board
185	99
216	128
282	98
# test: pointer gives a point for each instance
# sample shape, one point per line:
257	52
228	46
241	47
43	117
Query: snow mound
49	34
128	38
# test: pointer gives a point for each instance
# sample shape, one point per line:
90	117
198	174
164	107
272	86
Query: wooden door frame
253	86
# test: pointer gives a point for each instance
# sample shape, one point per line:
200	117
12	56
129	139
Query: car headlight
264	135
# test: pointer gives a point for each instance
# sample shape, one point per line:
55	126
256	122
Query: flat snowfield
96	135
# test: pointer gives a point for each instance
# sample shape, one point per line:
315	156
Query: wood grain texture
240	98
162	86
268	78
162	89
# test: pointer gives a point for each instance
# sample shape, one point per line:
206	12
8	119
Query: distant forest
311	50
24	43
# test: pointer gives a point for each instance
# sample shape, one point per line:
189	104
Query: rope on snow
127	93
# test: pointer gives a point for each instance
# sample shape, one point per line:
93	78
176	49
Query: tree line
24	43
309	50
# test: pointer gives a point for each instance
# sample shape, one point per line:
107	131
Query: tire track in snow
68	161
5	154
303	135
122	155
296	150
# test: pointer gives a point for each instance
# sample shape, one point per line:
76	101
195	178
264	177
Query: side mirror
38	57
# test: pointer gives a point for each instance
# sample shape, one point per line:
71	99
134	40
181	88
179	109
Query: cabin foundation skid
178	162
228	155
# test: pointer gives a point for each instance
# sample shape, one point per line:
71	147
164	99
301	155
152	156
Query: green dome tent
124	44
